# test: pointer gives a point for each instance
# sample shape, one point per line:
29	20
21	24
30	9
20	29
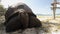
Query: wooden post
54	8
54	11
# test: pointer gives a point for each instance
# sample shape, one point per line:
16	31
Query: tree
2	10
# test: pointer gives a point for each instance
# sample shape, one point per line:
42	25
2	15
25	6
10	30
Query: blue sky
40	6
37	6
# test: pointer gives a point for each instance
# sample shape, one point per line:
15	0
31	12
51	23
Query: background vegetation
2	10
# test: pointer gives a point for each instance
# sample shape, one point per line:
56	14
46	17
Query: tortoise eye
20	6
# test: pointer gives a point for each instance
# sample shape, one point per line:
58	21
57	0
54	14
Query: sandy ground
49	27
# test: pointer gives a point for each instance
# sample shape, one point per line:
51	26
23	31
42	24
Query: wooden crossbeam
58	2
55	7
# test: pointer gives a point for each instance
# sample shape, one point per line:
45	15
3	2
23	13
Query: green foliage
2	10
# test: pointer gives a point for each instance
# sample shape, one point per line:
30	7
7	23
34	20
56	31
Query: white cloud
7	3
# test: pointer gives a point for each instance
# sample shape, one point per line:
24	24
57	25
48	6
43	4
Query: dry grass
48	20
